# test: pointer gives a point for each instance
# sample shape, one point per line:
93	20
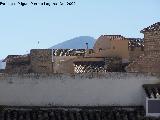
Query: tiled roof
68	52
11	58
75	113
114	36
136	42
154	27
152	90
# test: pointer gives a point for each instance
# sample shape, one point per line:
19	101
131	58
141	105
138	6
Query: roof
68	52
74	113
136	42
16	58
154	27
9	57
113	36
152	90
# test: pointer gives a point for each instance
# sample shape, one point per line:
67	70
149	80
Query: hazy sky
22	27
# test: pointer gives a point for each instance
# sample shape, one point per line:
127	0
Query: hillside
76	43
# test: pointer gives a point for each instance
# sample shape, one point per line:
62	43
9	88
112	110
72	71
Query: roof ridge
153	27
114	36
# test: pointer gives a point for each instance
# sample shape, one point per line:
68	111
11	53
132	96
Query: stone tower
152	38
150	60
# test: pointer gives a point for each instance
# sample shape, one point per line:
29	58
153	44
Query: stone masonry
41	60
136	48
150	60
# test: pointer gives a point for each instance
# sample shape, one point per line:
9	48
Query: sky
23	26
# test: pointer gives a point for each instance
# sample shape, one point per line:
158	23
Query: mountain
76	43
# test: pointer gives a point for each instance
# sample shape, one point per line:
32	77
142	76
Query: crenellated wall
80	89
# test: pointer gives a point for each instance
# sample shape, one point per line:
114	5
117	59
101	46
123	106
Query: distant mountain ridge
76	43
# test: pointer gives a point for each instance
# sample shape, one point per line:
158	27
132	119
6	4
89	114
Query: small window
113	47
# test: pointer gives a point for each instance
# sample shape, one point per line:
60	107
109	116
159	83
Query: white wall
109	89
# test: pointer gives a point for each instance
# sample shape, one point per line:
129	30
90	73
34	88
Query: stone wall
63	64
20	69
134	54
19	64
152	41
150	60
41	60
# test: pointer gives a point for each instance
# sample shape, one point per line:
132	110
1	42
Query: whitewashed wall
108	89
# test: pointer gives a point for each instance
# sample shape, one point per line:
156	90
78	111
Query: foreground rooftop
72	113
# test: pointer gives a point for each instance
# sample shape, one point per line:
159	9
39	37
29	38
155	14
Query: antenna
38	44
